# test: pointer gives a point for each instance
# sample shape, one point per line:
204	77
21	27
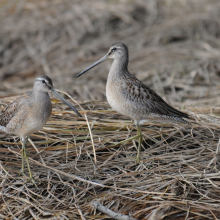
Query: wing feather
150	99
12	109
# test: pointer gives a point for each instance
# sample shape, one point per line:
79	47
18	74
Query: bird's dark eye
43	81
114	49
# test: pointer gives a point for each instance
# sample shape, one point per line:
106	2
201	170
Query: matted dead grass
174	49
178	176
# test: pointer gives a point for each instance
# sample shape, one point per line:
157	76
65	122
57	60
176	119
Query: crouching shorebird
130	97
29	113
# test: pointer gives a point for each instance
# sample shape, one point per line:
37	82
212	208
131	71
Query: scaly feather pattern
13	108
146	98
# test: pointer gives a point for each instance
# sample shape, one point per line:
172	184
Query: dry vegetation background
174	48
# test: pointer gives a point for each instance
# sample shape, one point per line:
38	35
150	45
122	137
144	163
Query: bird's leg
27	161
139	134
24	140
29	169
124	141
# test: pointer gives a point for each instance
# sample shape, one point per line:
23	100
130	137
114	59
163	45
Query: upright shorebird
29	113
130	97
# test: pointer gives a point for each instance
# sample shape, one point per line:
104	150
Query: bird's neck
118	69
40	96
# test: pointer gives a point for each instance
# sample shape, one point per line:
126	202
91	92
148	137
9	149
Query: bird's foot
31	179
22	173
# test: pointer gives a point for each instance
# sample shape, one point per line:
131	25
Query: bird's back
131	97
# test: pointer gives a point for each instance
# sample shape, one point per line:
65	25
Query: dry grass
178	175
174	48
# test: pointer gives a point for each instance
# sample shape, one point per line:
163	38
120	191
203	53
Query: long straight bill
94	64
64	101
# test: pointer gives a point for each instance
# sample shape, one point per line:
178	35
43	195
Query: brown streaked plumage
29	113
130	97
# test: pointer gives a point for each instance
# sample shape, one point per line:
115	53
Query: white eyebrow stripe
42	79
